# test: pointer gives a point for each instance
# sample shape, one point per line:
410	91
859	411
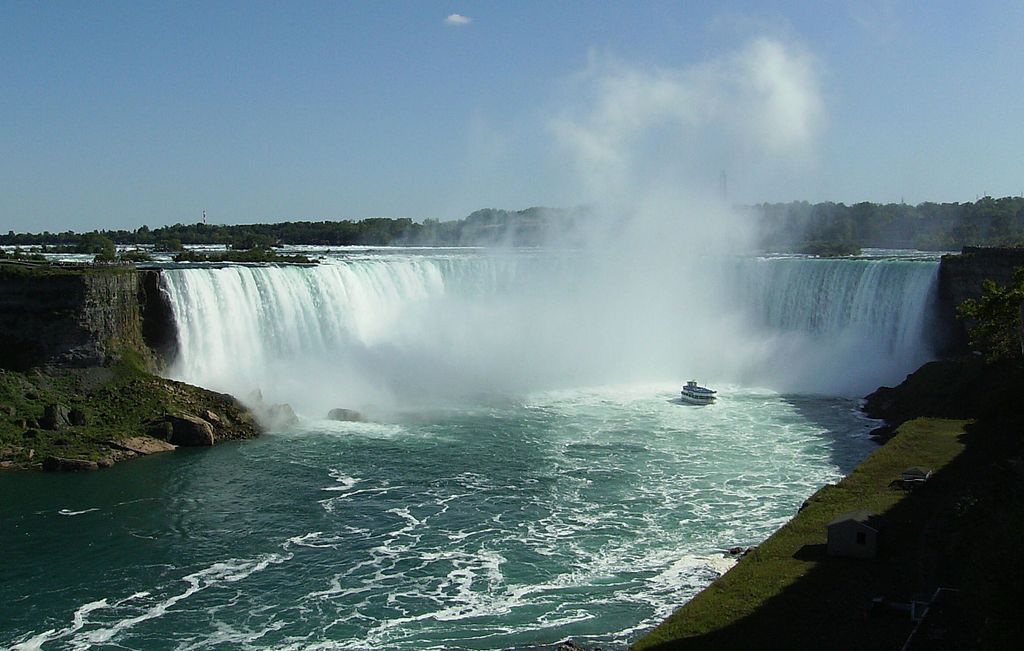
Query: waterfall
404	329
854	323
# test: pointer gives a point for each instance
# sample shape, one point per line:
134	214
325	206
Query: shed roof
918	471
867	518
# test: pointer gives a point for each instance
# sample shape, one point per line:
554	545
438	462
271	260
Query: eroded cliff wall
961	277
80	317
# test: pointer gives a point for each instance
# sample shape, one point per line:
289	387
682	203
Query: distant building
854	534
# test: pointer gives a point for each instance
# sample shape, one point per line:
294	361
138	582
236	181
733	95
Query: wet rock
190	431
345	415
735	551
61	464
105	462
142	445
280	415
162	430
55	416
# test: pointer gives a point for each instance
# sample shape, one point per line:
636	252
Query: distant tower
204	217
724	181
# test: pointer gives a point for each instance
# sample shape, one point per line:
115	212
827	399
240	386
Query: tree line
927	226
825	228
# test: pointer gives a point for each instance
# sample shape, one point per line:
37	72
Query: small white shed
854	534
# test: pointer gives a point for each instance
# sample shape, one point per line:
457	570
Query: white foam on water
83	633
345	483
69	512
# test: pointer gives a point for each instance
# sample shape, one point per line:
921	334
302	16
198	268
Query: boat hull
697	400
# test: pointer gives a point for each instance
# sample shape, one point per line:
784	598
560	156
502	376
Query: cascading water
840	326
530	476
410	329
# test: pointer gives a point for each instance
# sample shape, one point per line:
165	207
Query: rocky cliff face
77	350
77	318
961	277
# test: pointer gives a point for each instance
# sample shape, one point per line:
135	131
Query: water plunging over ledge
528	476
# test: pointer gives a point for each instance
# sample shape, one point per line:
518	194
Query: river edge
958	418
92	418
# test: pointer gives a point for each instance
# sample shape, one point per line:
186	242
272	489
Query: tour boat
697	395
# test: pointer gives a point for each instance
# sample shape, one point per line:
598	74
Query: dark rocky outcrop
82	317
77	417
60	464
962	276
965	387
77	384
280	415
55	416
159	331
190	431
55	317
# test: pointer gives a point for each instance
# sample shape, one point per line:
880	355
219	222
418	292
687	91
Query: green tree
100	245
996	317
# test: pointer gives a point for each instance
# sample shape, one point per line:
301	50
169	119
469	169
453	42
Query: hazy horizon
124	114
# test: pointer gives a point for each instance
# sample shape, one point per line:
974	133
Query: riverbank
940	535
89	418
78	382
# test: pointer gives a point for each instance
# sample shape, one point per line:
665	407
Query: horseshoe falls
524	474
409	330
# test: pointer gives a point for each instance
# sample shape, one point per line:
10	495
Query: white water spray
401	331
653	294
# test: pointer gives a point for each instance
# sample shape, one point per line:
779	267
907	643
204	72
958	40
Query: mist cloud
758	107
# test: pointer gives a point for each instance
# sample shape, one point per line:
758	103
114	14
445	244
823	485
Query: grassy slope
119	402
789	590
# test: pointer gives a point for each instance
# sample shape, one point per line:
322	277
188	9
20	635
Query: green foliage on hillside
832	227
23	256
926	226
251	255
99	244
996	319
483	227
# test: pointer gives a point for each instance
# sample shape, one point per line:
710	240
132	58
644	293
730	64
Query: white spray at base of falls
391	331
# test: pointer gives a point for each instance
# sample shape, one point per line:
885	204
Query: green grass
119	402
790	589
32	269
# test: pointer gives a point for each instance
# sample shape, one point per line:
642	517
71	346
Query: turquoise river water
529	474
588	514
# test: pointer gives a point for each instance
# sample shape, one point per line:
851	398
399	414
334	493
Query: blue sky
118	114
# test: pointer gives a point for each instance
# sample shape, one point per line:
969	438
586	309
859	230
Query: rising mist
651	288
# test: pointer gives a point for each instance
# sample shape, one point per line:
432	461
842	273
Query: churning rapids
527	476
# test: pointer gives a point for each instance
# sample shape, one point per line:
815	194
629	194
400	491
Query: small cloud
457	20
